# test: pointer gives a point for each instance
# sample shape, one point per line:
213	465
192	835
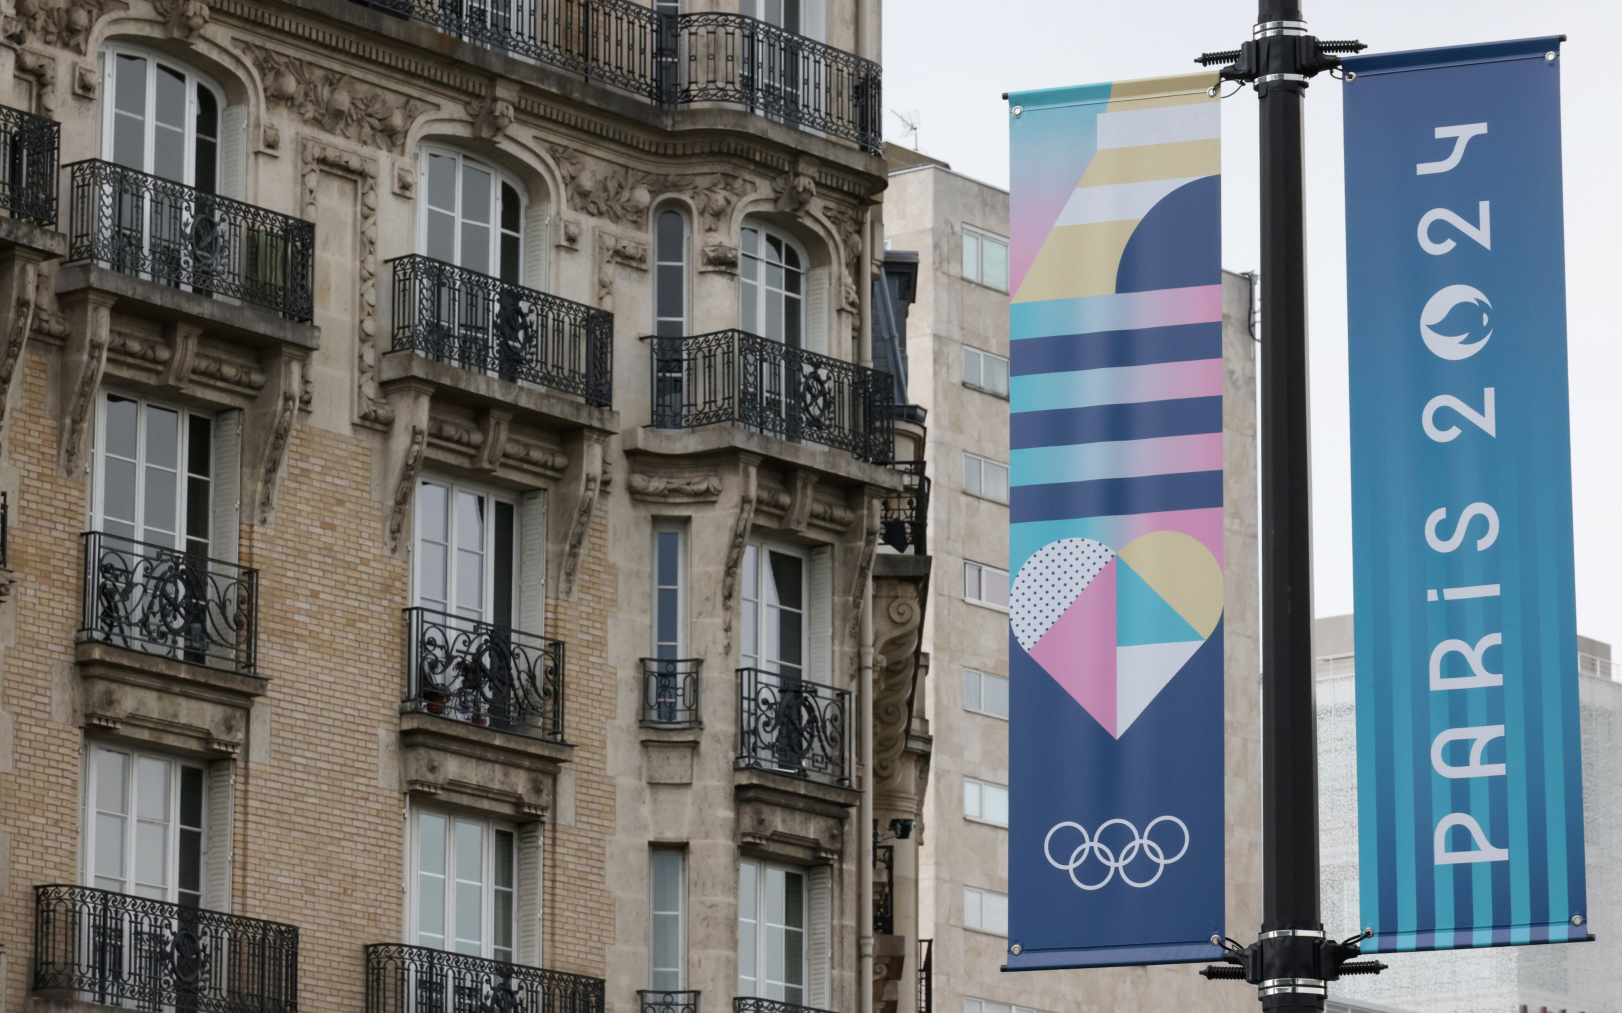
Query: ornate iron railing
171	602
118	950
481	323
904	516
676	59
735	376
28	153
926	976
884	890
792	726
484	674
5	532
657	1001
750	1004
145	225
670	692
416	979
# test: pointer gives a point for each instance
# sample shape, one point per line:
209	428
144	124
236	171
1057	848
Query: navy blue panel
1114	497
1062	427
1179	242
1065	353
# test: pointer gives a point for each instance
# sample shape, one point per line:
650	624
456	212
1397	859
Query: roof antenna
909	124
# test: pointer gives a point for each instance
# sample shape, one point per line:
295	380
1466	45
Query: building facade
1508	979
958	356
444	472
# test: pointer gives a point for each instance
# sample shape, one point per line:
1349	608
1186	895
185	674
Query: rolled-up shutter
537	247
218	842
234	152
227	486
530	838
819	935
820	615
532	563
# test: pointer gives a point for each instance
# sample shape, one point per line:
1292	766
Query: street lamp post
1292	960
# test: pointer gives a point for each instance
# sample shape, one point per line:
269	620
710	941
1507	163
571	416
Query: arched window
773	268
670	275
472	215
162	118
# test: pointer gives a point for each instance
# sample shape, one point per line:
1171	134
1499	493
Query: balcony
453	315
28	156
764	385
484	675
181	237
416	979
656	1001
750	1004
676	60
117	950
790	726
670	692
904	515
168	602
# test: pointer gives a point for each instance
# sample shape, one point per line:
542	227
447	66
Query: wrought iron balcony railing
416	979
750	1004
153	227
926	976
118	950
884	890
670	692
5	532
171	602
904	517
735	376
483	674
455	315
657	1001
28	153
792	726
676	59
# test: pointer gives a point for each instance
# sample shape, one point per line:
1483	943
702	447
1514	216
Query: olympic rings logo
1093	846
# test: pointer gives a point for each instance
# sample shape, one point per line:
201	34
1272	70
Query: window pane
994	917
205	160
469	898
129	117
109	851
994	481
670	238
502	566
169	126
994	695
995	263
971	689
994	804
971	581
665	873
476	194
971	798
668	298
504	876
152	788
971	366
442	183
971	907
111	771
748	927
512	209
441	242
431	880
971	474
996	586
121	425
996	374
971	256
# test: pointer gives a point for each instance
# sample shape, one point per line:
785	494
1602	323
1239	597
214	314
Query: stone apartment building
955	231
444	478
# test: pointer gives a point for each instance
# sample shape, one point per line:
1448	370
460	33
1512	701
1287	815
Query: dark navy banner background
1469	769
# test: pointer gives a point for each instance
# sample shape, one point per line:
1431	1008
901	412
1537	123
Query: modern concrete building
957	349
445	470
1513	979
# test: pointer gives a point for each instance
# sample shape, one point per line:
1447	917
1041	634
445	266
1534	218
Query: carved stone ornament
400	508
569	234
847	223
747	498
674	488
718	258
334	101
405	179
898	618
623	195
583	483
611	250
41	69
270	139
491	116
64	23
535	455
86	81
795	191
186	17
22	321
314	159
864	563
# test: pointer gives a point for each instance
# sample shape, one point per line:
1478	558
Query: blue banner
1116	831
1470	806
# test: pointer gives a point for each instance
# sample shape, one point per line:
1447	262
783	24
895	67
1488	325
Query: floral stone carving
335	101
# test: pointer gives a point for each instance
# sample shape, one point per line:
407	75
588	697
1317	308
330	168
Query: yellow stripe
1152	92
1153	161
1076	261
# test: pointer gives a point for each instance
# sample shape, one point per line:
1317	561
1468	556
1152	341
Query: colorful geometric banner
1469	766
1115	626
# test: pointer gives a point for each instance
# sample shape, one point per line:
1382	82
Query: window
154	473
987	1006
985	258
472	215
146	825
466	552
464	886
985	801
669	593
667	958
985	477
985	910
774	600
782	13
985	693
772	932
985	585
985	371
161	118
773	271
670	275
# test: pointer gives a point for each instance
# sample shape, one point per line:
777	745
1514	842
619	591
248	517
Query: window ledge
724	436
986	605
791	818
986	390
535	405
238	322
161	701
48	243
985	822
982	496
500	772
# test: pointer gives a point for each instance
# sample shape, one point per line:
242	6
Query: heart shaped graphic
1113	628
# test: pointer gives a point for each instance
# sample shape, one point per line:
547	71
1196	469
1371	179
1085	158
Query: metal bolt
1019	111
1550	55
1576	919
1016	949
1211	91
1216	940
1351	75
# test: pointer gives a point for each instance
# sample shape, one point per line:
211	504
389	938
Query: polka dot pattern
1049	581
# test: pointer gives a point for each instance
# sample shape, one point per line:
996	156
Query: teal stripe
1048	98
1515	730
1402	719
1552	592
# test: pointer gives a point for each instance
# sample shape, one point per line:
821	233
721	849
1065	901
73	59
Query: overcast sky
947	62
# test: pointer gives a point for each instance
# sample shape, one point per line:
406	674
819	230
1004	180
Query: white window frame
758	921
976	583
489	828
132	818
976	796
685	266
499	176
979	356
976	239
976	466
99	454
978	677
973	1005
680	914
682	588
764	232
109	57
974	900
761	570
491	495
